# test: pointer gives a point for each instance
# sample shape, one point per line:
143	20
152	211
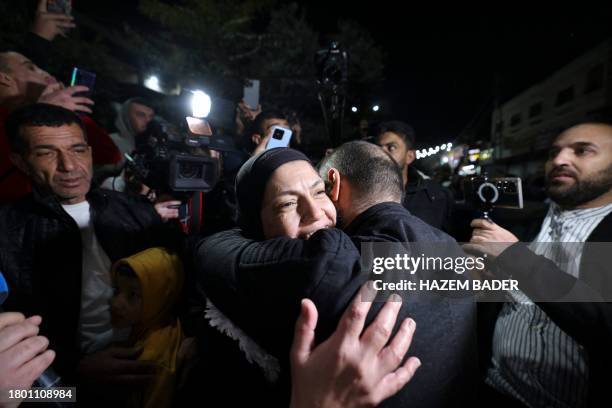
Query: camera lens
278	134
189	170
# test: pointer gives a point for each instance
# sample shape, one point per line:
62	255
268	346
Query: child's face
126	305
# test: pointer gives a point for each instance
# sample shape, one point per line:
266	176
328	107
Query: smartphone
251	93
500	192
60	6
82	77
280	137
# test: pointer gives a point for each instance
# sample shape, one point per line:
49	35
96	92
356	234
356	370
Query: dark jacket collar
363	220
414	179
45	198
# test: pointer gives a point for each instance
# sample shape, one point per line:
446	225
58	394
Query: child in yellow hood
148	286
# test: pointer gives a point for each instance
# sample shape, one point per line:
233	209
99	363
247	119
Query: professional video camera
173	159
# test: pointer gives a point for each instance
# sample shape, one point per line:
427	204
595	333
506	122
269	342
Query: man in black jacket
565	361
58	243
259	284
423	197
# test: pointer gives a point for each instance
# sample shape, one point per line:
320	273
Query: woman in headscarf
280	194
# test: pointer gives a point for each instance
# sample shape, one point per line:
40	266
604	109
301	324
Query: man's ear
256	138
8	86
5	79
410	156
333	176
18	161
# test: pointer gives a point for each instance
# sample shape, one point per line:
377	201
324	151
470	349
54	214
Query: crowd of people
268	301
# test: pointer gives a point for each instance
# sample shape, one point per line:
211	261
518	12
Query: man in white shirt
57	246
533	360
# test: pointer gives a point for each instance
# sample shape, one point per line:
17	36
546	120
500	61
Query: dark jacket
259	286
41	257
428	200
590	324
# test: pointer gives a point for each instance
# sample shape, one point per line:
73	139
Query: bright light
431	150
448	149
152	83
449	145
375	108
418	155
467	170
424	152
437	149
445	160
200	104
443	147
354	109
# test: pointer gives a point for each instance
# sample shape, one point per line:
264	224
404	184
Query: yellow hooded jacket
159	331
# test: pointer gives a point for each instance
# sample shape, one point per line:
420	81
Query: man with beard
554	354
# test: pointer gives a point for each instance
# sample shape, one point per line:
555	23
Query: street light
375	108
354	109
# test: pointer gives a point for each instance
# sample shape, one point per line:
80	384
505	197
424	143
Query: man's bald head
371	172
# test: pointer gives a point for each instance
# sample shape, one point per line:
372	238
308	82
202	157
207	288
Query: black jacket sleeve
259	285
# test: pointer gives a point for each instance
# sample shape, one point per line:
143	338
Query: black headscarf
251	185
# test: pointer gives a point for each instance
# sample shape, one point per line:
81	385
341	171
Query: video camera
485	193
332	76
173	159
332	66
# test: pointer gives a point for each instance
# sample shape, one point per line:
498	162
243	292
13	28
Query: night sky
444	69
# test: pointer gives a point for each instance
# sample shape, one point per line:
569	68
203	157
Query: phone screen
82	77
60	6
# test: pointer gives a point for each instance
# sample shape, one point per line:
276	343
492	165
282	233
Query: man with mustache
551	354
22	83
57	245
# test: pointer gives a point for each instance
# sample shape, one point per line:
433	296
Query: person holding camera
555	354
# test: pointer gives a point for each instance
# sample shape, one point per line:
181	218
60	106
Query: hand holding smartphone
84	78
